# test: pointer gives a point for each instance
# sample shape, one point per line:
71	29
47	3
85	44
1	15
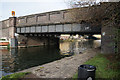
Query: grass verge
105	68
14	76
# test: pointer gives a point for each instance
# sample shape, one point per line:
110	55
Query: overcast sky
27	7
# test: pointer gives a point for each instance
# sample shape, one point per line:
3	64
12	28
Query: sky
27	7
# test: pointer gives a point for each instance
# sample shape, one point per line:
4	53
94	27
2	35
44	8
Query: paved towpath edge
63	68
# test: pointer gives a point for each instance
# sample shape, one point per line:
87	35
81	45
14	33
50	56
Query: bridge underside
34	40
58	33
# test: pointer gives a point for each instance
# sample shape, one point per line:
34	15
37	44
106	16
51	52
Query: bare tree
82	3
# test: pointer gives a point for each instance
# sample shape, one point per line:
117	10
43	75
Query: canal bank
64	68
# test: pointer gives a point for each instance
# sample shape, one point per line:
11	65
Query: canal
14	60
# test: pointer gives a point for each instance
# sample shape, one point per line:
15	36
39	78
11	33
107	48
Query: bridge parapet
5	23
54	17
61	16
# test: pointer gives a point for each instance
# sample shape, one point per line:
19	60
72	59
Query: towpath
64	68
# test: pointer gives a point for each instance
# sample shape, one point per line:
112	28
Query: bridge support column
13	43
12	30
53	40
107	39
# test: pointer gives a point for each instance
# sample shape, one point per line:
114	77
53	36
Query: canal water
14	60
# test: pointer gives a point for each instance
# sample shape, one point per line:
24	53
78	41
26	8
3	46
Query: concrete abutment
107	40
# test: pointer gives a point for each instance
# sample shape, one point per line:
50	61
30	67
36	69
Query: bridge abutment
110	29
109	41
12	30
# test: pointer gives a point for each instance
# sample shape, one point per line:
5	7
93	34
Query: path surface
64	68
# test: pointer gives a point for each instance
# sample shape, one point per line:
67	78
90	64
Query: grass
104	67
8	46
14	76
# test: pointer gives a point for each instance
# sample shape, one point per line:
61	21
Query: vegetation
83	3
2	39
117	41
14	76
106	66
8	46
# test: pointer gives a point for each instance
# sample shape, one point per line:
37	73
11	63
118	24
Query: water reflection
18	59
